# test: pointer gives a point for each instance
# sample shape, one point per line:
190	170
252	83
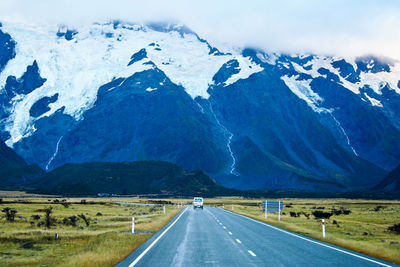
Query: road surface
215	237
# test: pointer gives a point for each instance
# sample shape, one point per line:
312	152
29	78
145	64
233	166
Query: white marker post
279	210
133	225
164	209
323	228
266	209
232	206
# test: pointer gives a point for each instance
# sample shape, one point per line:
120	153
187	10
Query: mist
338	28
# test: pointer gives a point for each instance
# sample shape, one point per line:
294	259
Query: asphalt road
215	237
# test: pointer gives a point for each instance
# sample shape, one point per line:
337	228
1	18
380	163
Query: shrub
10	214
35	217
395	228
379	207
70	220
65	203
48	220
318	214
85	219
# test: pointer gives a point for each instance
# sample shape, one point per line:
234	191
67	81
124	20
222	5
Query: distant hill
14	171
391	181
143	177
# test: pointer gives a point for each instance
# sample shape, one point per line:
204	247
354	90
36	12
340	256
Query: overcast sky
334	27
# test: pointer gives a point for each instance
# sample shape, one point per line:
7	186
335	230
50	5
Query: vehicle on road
198	202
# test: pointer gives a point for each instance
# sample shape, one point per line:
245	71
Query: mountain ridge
160	92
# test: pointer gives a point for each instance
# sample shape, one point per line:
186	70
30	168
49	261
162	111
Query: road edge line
156	240
309	240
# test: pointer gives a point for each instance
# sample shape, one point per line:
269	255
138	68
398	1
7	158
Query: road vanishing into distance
216	237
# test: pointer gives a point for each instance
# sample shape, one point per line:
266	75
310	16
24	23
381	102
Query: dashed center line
224	227
237	240
230	233
220	223
252	253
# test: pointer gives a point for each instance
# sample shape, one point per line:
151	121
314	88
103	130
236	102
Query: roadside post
323	228
279	212
133	225
266	209
232	206
164	209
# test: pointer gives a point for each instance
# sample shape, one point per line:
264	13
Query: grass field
364	230
105	242
107	239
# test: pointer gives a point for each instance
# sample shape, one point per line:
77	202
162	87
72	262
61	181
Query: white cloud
339	27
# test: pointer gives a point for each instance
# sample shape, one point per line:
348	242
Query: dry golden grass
105	242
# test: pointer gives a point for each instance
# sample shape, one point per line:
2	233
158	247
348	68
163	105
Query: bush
48	220
85	219
395	228
10	214
379	207
318	214
65	203
35	217
70	221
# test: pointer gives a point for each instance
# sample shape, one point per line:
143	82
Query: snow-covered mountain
123	92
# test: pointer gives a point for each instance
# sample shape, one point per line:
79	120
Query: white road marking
251	253
224	227
220	223
237	240
309	240
230	233
155	241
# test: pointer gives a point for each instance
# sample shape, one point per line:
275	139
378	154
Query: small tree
83	217
48	220
10	214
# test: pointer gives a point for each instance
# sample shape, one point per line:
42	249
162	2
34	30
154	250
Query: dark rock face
14	171
42	105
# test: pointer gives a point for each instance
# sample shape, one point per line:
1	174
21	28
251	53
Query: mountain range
120	92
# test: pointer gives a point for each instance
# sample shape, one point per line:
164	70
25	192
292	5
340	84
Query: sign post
274	206
323	228
133	225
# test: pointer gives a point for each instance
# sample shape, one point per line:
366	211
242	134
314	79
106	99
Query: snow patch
373	101
247	68
302	89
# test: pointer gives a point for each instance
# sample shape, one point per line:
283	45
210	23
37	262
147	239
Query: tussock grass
105	242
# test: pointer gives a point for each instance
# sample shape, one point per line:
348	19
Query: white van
198	202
